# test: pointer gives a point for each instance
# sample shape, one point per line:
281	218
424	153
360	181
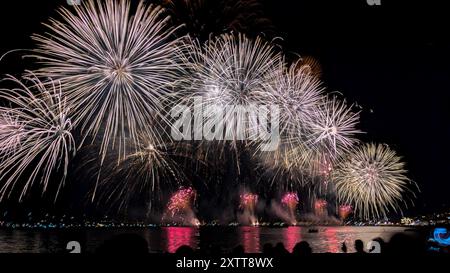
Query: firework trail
115	67
248	201
373	179
36	136
247	204
203	18
11	134
290	201
320	208
180	204
146	173
284	168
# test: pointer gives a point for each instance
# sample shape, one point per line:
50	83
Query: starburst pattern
373	179
115	67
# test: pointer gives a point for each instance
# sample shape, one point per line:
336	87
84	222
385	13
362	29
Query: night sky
393	60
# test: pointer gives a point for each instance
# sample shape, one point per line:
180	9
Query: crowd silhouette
399	244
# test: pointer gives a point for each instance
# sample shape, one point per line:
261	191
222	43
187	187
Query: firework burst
247	204
181	200
11	133
334	129
233	73
179	207
35	136
290	200
372	179
320	207
299	96
149	171
114	67
345	211
248	201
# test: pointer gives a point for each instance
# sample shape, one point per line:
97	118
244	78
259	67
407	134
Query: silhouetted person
238	251
302	248
280	249
128	244
184	251
344	247
401	243
359	247
268	249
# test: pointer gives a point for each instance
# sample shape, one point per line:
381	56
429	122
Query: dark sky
393	59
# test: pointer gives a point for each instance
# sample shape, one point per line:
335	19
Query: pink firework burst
181	200
320	204
344	211
290	200
248	200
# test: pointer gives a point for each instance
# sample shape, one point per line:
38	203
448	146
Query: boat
313	230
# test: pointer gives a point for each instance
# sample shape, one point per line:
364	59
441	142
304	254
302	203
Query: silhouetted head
359	246
268	248
302	248
239	250
280	249
184	251
128	244
401	243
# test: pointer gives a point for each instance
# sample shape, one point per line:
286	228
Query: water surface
168	239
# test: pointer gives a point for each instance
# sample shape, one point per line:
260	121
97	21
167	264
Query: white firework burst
298	94
11	133
234	73
37	136
334	129
114	66
373	179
